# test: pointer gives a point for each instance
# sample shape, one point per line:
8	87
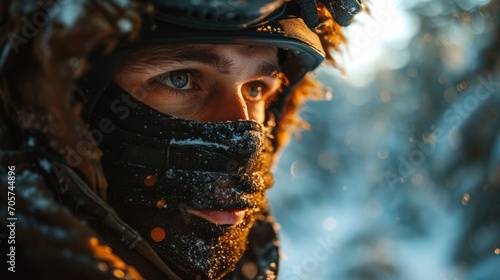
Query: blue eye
254	91
179	79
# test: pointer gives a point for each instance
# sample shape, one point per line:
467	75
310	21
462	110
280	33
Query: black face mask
159	167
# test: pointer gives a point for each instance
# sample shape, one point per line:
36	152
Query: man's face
210	175
206	83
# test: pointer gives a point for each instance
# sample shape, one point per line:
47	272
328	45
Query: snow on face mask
174	180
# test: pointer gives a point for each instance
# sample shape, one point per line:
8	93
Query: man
157	165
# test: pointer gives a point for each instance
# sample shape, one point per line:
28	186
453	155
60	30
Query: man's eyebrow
220	63
267	68
195	54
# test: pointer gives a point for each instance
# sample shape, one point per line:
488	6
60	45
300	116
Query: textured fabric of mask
159	166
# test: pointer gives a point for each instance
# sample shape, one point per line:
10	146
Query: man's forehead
184	50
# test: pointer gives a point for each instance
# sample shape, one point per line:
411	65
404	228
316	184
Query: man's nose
231	106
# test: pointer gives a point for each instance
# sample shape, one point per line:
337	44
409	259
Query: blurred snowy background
400	176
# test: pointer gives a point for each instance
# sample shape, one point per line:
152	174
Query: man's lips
220	217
